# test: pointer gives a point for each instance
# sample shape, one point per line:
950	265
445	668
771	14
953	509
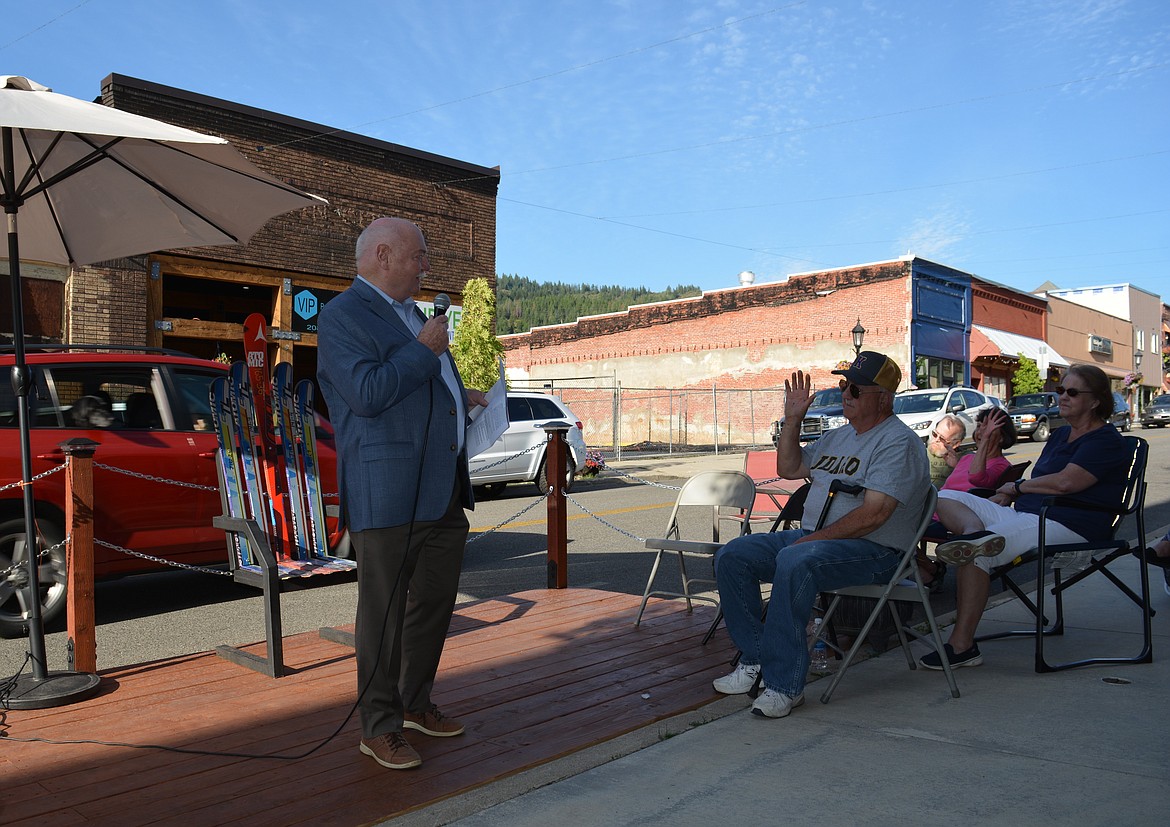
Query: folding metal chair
1132	503
894	590
706	498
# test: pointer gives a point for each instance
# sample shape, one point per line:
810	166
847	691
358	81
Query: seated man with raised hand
942	448
860	542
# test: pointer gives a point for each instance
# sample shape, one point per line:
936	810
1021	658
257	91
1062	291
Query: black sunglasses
1072	392
855	390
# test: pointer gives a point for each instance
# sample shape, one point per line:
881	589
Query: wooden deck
535	676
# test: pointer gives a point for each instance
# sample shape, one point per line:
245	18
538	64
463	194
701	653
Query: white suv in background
507	458
921	409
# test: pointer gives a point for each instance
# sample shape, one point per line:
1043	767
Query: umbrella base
55	689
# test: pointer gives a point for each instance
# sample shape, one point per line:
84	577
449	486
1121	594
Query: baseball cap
873	368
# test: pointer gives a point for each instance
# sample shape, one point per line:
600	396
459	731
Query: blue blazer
394	417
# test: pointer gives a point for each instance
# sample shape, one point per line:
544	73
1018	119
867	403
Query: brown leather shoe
432	722
391	750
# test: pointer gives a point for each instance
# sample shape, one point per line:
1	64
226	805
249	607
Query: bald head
392	254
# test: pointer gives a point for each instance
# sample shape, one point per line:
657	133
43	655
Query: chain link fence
650	421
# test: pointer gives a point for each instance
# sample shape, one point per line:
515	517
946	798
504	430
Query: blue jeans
797	574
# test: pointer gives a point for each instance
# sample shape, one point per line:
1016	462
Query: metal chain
604	521
39	476
150	478
163	561
639	479
528	450
515	516
14	565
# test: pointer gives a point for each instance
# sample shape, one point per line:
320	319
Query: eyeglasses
856	390
951	441
1072	392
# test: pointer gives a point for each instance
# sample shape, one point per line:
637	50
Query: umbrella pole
42	689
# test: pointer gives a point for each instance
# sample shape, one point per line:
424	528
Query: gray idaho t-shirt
888	457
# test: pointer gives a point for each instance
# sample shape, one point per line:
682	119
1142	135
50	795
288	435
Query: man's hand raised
797	396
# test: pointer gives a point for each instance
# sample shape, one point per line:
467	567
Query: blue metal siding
941	322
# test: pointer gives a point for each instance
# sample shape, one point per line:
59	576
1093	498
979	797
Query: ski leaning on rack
291	446
231	493
305	425
263	438
240	403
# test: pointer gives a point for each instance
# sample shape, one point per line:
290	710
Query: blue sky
675	142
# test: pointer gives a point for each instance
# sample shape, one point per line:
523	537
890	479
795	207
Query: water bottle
819	663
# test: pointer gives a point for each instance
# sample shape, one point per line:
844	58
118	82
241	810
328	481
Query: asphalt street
149	617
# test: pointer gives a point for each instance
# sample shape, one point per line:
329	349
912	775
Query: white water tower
747	278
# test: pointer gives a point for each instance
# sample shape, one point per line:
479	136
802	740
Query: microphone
441	302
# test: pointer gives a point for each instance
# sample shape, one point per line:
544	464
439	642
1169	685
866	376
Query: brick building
196	300
941	325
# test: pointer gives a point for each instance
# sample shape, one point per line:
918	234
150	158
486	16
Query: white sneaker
773	704
738	682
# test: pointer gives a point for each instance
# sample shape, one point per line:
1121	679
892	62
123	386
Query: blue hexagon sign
305	304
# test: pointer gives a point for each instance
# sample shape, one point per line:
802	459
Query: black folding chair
1132	504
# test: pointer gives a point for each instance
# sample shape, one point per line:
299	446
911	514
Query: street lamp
1137	389
858	338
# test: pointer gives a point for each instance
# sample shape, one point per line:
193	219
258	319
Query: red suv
150	413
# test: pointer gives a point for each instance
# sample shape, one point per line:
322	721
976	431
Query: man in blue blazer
399	410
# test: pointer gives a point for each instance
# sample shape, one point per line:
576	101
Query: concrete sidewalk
1085	746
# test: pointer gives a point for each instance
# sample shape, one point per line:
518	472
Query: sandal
938	571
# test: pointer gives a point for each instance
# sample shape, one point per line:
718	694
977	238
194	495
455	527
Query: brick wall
735	340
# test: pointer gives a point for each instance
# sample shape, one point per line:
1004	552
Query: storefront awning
1002	343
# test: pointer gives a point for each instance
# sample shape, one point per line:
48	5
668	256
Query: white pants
1019	529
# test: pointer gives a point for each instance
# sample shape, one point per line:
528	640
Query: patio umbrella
91	183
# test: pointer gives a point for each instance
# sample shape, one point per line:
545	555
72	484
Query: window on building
932	372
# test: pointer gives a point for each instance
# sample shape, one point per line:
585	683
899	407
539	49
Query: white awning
1013	344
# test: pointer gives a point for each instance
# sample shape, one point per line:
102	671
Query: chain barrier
151	478
638	479
16	565
603	521
528	450
174	563
514	517
39	476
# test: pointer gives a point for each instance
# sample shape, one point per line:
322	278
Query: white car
513	457
922	409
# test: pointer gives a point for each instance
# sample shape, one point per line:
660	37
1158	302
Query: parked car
513	457
149	412
1035	415
1157	413
922	409
824	414
1122	417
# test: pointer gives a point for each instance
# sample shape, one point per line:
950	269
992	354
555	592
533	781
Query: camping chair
702	498
1132	503
895	590
772	492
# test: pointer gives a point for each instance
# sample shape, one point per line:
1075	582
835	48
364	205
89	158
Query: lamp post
858	337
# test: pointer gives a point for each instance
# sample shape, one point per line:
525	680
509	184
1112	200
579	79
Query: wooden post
79	612
554	469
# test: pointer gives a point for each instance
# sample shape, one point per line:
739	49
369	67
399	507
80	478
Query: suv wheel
1041	432
1126	425
50	573
570	475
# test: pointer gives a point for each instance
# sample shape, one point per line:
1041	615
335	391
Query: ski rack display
273	510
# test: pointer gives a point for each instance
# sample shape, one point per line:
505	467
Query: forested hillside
522	303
